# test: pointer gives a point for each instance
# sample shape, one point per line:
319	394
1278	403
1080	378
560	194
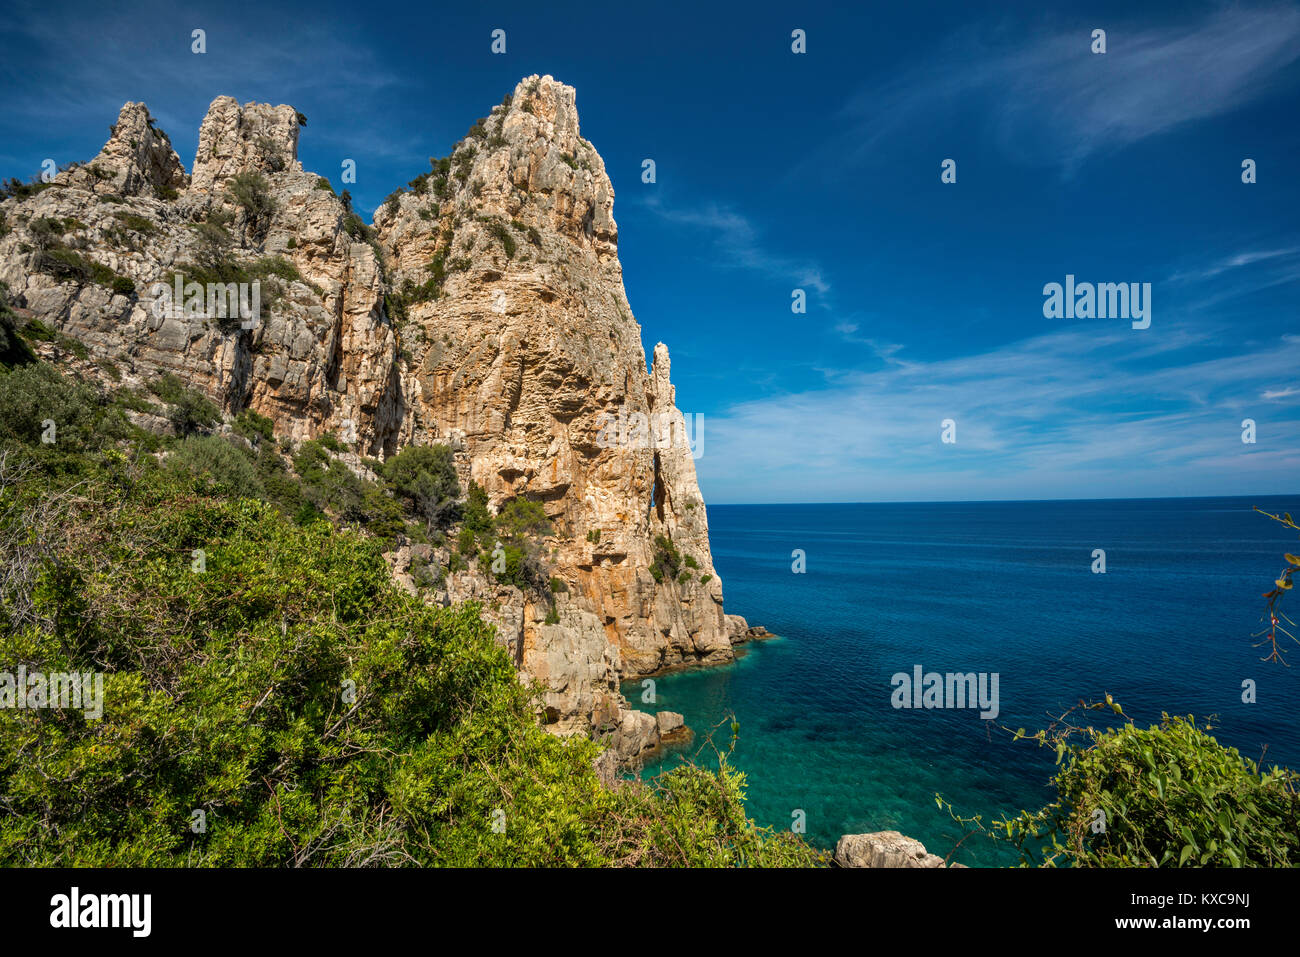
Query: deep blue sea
1003	587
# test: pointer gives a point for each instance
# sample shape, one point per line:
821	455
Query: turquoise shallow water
976	587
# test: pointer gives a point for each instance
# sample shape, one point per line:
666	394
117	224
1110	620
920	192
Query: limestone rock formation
485	309
884	849
531	359
138	159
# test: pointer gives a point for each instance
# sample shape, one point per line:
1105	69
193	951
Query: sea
862	593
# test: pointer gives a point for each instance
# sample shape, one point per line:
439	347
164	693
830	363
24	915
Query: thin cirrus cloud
237	56
1071	414
1054	102
245	59
739	246
1241	275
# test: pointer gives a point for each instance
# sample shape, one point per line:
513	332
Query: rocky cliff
483	308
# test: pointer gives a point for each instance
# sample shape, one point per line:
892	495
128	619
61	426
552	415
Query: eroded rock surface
486	309
884	849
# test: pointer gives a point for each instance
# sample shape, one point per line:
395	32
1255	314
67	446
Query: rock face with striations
485	309
527	356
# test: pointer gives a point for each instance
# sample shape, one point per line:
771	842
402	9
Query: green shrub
13	350
354	225
502	234
37	331
223	692
35	395
478	517
425	475
393	199
252	193
136	223
509	564
667	560
168	387
275	266
254	427
14	188
188	411
216	466
1171	796
522	518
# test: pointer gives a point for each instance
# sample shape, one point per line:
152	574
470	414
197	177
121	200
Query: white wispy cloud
1050	100
739	245
1237	261
1074	413
885	351
1238	275
246	58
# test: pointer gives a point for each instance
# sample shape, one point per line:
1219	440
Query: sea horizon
984	587
1011	501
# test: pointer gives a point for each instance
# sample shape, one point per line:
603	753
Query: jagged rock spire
138	159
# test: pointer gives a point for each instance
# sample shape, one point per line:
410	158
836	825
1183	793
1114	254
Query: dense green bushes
217	466
329	486
1168	795
667	559
188	411
13	350
512	551
59	421
272	698
425	475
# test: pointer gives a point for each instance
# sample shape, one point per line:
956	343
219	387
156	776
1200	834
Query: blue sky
821	171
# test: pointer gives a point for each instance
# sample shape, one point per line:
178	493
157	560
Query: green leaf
1188	851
